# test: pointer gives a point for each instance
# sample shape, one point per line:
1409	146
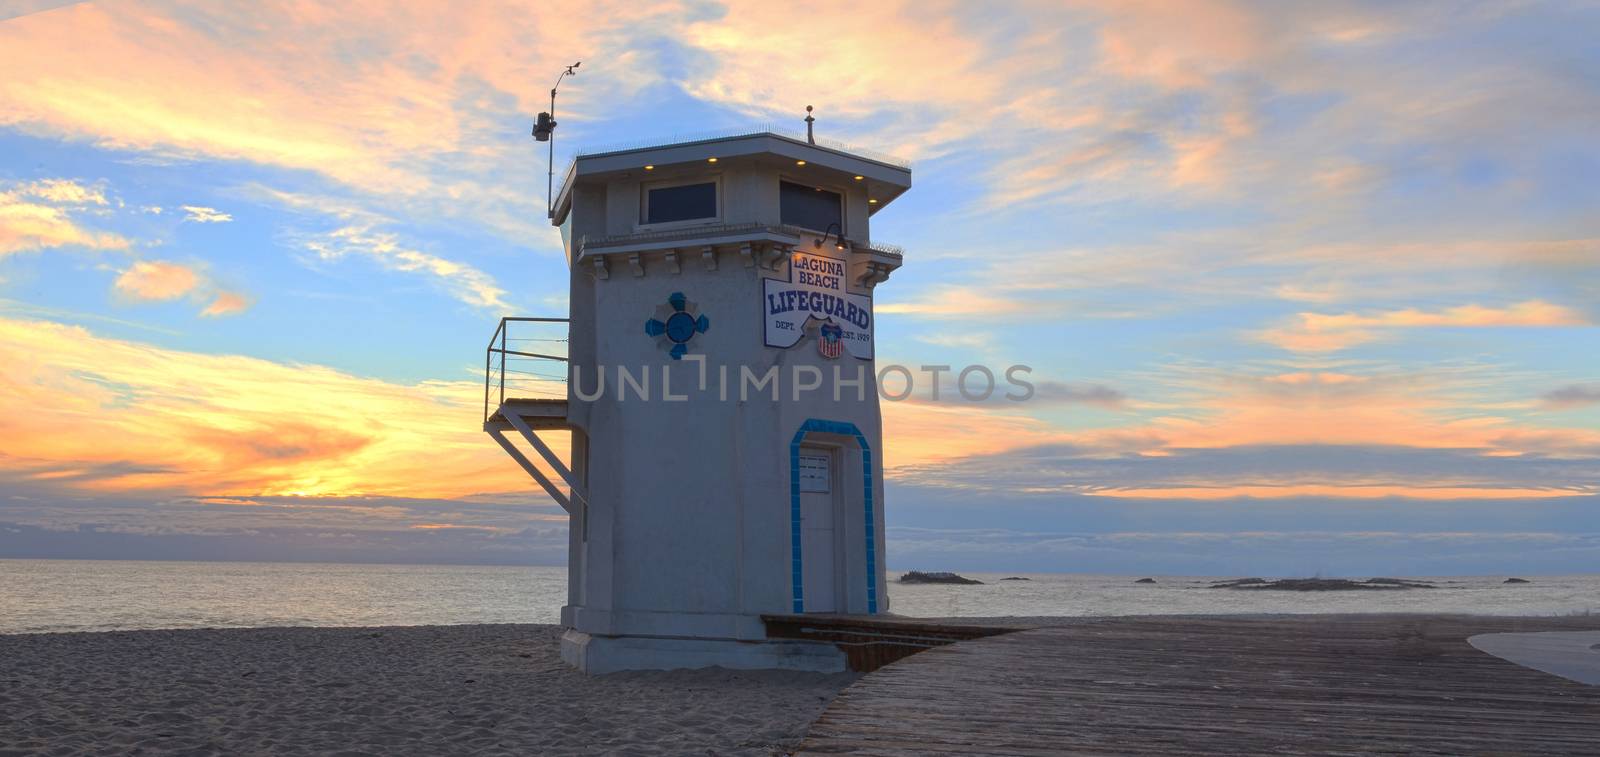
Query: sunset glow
1258	256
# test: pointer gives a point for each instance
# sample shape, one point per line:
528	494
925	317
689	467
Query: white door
818	558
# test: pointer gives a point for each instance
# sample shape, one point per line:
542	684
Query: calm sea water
91	595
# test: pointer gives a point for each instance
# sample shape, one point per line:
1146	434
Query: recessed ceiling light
711	160
649	168
859	178
799	162
873	201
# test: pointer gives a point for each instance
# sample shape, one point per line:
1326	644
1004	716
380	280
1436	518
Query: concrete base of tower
598	655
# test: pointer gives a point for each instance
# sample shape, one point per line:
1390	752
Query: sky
1307	288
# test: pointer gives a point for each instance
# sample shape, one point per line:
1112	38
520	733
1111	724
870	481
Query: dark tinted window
809	207
681	203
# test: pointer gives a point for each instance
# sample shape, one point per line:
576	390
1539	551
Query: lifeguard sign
695	509
815	295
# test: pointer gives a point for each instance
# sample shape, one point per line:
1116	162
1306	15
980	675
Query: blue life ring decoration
676	324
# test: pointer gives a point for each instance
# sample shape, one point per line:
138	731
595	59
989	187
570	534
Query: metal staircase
526	358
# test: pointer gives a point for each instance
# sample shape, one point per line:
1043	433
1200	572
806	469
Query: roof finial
809	137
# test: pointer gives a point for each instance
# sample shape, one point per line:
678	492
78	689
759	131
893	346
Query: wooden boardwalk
1346	684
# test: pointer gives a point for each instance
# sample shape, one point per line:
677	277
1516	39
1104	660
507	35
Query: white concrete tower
722	399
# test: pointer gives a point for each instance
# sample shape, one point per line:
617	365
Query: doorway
819	509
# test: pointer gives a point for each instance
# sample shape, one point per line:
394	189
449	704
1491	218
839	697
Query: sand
427	690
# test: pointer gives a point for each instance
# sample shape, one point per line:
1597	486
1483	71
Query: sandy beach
1331	683
425	690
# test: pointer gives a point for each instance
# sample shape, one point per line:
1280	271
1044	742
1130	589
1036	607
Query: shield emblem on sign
830	340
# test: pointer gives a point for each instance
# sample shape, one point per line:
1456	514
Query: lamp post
544	130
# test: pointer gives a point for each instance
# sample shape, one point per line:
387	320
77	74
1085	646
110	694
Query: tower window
809	207
681	202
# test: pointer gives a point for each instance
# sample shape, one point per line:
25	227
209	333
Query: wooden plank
1187	685
873	641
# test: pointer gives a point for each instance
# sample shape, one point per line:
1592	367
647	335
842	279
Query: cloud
225	304
1144	97
16	8
1572	396
410	104
200	214
41	214
1119	159
461	281
84	412
1447	407
1004	393
1065	102
157	280
1220	434
165	280
1316	332
371	533
361	233
90	414
920	432
1061	392
953	302
62	192
1268	472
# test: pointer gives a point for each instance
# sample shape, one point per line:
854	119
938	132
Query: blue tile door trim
841	428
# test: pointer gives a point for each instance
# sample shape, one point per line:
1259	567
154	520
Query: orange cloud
1334	408
1202	159
765	63
163	280
157	280
226	303
1259	436
917	433
1179	46
954	302
400	99
111	415
1317	332
456	526
103	414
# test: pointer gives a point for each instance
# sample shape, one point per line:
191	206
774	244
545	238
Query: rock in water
1321	584
1015	578
1145	581
920	577
1517	581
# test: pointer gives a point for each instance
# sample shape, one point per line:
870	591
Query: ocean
104	595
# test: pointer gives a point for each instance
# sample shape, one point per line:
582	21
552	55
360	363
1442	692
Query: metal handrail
498	345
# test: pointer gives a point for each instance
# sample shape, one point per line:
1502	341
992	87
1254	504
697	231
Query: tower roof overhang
885	178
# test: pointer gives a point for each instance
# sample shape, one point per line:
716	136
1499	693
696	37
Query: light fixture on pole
544	130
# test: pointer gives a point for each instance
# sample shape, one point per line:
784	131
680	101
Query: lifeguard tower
721	397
